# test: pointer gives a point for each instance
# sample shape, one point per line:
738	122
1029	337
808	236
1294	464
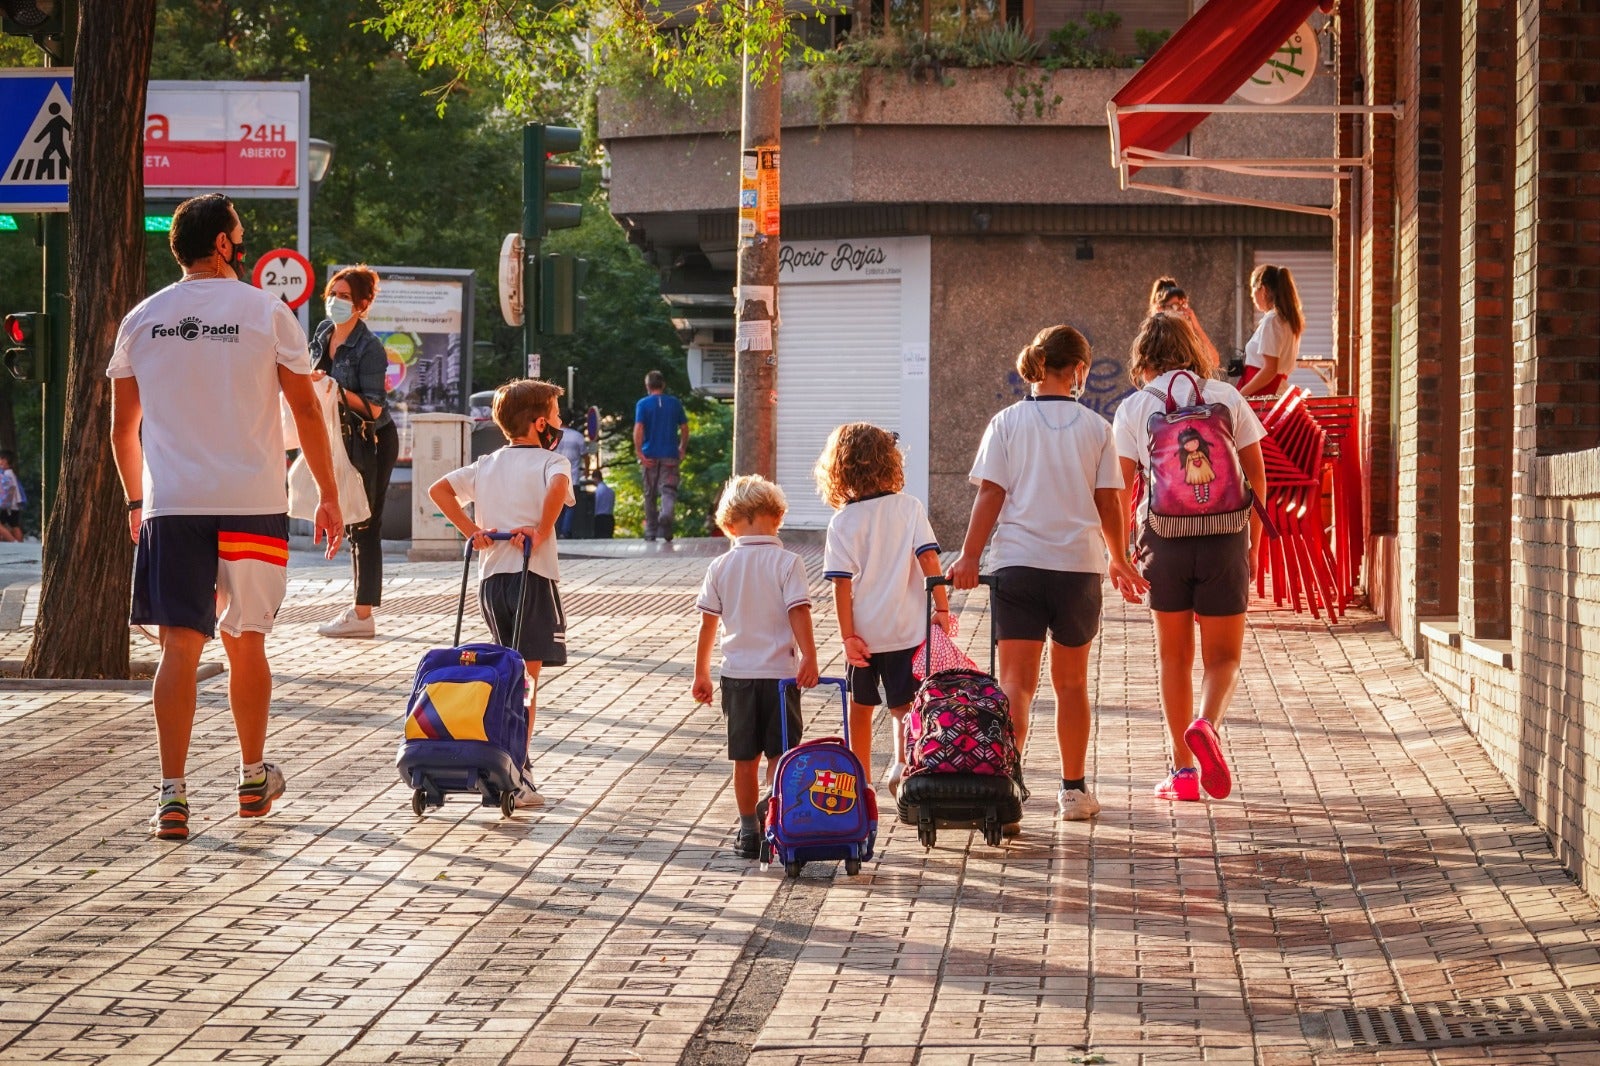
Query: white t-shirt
206	355
1273	337
1131	425
508	488
875	543
1049	454
752	588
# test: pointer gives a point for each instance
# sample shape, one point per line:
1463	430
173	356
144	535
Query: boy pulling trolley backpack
962	765
466	725
821	805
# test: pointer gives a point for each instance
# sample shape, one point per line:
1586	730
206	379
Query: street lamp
319	156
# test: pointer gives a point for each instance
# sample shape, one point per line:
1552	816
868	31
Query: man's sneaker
1202	739
747	845
255	797
897	773
171	820
349	624
1180	785
1077	804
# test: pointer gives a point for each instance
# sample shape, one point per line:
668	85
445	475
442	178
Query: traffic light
27	341
542	177
560	304
39	19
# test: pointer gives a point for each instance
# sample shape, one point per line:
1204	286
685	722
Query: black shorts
754	729
1031	602
1207	575
891	670
189	569
544	626
10	518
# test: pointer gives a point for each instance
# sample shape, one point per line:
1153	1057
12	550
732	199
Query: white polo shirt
1049	454
752	588
875	543
206	354
1273	337
1131	426
508	488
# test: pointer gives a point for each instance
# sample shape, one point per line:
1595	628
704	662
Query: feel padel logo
192	328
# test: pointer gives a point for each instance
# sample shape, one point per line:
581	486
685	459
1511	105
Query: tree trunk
82	630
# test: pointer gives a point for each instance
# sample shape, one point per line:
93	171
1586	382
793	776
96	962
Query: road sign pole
532	168
58	306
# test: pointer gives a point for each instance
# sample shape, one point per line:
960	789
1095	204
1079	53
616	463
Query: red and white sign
223	138
285	273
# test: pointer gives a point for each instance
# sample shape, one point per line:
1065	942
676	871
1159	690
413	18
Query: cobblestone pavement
1370	857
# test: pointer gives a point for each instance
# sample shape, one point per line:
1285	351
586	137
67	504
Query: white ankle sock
174	788
254	772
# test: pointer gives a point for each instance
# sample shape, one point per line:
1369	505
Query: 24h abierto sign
285	273
204	135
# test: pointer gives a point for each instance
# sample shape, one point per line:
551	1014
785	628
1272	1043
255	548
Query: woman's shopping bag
945	654
353	505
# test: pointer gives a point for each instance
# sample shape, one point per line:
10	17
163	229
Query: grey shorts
1207	575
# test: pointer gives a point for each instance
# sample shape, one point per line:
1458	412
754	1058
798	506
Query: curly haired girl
880	547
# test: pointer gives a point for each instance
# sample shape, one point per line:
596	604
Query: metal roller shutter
839	361
1313	278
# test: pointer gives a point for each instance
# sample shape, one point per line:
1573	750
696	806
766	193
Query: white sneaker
528	796
897	773
1076	804
349	624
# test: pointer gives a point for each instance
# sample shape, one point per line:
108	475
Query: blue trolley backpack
466	727
822	806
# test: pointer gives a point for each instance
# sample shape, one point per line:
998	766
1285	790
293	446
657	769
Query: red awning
1205	62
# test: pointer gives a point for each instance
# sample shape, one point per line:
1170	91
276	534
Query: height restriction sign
285	273
35	139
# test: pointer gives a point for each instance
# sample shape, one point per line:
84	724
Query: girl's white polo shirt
1049	454
875	543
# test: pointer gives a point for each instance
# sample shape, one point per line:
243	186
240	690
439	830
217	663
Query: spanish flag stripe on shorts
237	546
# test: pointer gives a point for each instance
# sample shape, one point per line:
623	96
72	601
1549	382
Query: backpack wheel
991	833
927	835
508	804
792	869
419	801
852	866
765	853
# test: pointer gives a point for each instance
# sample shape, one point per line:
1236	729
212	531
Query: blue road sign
35	138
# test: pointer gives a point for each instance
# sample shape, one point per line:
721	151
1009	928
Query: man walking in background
660	439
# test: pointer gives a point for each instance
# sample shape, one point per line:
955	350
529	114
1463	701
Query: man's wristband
134	505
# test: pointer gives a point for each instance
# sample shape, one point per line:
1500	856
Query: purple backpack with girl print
1195	482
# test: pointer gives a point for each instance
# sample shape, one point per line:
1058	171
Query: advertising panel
424	319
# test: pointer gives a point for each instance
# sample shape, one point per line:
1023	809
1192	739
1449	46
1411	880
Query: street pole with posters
755	372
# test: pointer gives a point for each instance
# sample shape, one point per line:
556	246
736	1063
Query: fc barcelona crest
833	793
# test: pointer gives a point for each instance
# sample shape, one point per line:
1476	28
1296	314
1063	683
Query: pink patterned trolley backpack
1195	482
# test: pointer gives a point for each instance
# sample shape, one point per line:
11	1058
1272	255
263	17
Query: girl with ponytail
1050	490
1270	355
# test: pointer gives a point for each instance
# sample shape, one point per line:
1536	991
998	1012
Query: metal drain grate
1536	1017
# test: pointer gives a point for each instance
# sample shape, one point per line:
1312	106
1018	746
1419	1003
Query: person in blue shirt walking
660	439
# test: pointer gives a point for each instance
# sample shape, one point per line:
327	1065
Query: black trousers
366	540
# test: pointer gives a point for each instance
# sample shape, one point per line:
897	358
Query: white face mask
340	310
1079	385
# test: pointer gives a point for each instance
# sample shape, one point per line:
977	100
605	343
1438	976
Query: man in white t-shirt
198	442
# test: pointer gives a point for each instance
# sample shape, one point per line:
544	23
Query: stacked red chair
1300	559
1338	416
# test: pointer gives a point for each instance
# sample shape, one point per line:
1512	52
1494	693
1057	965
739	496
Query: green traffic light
8	223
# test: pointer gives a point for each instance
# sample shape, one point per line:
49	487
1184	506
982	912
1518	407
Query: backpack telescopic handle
786	683
522	590
933	581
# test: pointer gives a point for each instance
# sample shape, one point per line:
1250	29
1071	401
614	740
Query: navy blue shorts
544	624
199	571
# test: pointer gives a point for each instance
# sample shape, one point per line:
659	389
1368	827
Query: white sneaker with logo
1076	805
349	624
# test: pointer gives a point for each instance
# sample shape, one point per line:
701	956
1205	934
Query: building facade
932	225
1468	254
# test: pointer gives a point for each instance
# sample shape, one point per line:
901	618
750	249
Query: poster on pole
423	317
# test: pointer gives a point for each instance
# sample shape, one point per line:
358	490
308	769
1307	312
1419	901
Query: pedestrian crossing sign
35	138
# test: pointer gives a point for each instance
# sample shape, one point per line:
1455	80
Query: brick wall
1428	309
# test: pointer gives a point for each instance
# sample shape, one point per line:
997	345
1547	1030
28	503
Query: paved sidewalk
1370	858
